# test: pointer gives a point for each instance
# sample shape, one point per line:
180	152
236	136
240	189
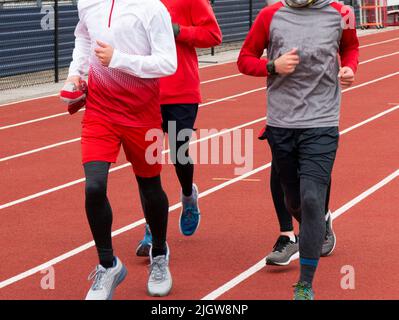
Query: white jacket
139	30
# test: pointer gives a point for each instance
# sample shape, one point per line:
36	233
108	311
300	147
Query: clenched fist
104	53
346	76
287	63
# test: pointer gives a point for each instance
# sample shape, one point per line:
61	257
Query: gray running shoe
283	252
160	279
330	240
105	281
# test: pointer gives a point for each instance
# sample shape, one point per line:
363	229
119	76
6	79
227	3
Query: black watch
271	68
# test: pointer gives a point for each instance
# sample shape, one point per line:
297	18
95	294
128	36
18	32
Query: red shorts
102	140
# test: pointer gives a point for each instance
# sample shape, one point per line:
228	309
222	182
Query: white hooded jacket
140	31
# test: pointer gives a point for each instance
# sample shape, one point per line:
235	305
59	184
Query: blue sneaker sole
121	277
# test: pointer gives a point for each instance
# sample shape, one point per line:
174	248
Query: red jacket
198	29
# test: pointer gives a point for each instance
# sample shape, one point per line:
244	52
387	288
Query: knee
293	206
96	190
151	189
311	203
154	197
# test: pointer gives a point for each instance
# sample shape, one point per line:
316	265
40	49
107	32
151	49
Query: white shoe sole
282	264
335	242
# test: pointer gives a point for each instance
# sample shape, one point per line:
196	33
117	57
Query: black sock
156	207
106	257
158	251
98	209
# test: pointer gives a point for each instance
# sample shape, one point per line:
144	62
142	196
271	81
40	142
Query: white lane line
202	105
66	113
372	81
35	120
380	57
377	43
119	231
39	149
262	263
56	94
223	78
78	139
72	183
142	221
381	114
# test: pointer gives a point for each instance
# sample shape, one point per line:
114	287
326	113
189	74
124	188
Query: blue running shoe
190	215
143	249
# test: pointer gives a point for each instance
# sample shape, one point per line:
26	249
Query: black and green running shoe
303	291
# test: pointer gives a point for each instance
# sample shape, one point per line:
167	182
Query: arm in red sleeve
250	61
205	31
349	45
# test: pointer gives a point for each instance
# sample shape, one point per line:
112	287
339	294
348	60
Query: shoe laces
281	243
158	268
98	277
303	290
190	213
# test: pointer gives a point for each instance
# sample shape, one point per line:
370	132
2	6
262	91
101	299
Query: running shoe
160	278
330	239
106	280
190	215
283	251
303	291
143	249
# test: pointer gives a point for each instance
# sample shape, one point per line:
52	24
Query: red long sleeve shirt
259	38
311	96
198	29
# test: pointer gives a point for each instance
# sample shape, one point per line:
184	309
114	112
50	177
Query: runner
125	46
194	26
303	38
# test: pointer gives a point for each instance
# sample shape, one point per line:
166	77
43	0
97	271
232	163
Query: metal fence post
213	48
251	5
56	39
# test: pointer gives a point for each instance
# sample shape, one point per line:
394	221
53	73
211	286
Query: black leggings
177	118
184	170
99	213
284	217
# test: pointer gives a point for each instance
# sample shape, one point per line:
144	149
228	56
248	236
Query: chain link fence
37	36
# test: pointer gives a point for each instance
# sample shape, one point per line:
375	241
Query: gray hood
316	5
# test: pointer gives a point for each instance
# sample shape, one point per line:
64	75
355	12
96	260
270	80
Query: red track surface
234	234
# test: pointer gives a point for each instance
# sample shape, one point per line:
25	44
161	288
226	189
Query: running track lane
221	249
365	236
62	210
42	160
126	200
66	159
36	134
